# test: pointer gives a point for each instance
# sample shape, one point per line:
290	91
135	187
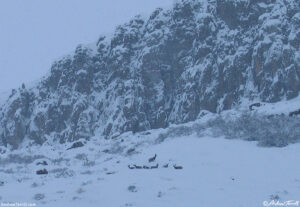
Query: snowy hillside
194	106
162	70
216	172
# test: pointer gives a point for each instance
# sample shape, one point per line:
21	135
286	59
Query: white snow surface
216	172
280	107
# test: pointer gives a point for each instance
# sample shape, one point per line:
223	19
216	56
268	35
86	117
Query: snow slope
216	172
284	107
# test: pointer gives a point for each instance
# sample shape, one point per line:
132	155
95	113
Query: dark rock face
164	69
42	172
294	113
76	145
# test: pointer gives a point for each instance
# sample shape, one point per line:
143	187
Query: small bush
39	196
132	188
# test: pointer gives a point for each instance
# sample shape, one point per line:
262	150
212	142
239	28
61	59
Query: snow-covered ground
216	172
280	107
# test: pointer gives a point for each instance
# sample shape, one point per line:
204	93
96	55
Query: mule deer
138	167
155	166
152	159
130	167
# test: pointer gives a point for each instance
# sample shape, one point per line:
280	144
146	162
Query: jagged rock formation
163	69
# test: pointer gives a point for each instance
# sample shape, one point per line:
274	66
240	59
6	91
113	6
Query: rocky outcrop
199	55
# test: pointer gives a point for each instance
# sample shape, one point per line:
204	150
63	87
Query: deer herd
150	160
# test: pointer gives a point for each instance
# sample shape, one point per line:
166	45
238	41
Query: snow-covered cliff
198	55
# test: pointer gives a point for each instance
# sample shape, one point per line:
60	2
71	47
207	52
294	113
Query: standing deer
152	159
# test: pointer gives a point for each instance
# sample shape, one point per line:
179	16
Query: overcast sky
33	33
